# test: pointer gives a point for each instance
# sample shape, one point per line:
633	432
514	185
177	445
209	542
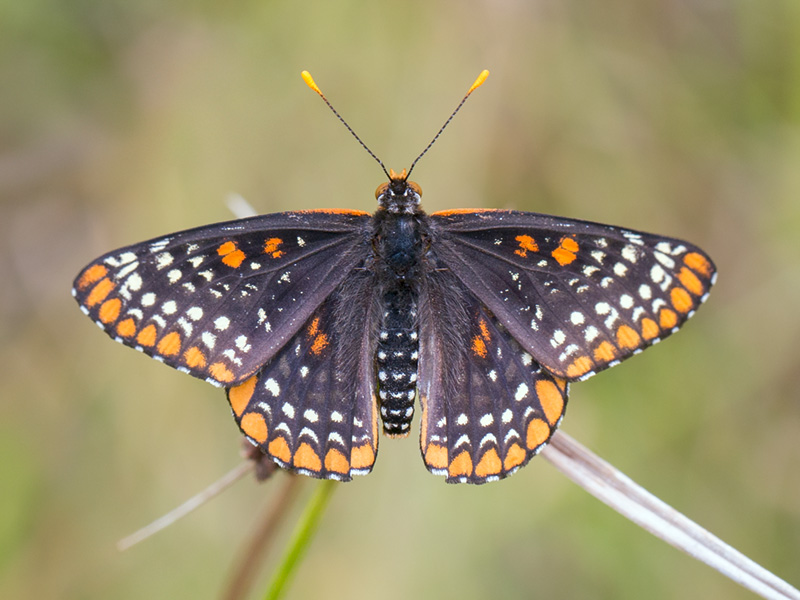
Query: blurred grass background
120	121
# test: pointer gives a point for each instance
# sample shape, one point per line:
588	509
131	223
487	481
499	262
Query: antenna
477	83
310	83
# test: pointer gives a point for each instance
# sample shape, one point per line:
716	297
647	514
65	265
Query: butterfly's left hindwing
578	296
312	407
218	301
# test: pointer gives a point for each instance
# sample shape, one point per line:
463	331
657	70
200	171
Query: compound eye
415	186
382	189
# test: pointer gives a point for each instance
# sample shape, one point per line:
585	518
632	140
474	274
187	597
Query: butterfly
325	326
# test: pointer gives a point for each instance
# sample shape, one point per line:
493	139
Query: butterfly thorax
398	228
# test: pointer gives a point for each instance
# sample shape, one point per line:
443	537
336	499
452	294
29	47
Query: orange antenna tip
478	82
310	81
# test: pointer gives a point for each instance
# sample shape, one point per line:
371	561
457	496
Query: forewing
218	301
312	407
487	406
578	296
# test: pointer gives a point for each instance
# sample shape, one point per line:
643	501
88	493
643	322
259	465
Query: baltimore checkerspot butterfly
323	324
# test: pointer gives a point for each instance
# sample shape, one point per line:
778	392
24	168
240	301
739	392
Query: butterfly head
398	195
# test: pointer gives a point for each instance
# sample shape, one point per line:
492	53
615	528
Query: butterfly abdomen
396	358
398	255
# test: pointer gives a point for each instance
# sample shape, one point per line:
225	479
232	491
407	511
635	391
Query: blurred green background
121	121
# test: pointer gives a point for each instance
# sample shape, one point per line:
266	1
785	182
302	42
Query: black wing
219	301
312	407
487	405
578	296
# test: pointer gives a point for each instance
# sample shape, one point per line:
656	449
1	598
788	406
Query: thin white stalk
618	491
191	504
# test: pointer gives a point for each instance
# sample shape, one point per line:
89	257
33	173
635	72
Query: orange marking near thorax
565	253
320	342
526	243
231	255
271	247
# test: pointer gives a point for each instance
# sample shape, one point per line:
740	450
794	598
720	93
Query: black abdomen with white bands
397	353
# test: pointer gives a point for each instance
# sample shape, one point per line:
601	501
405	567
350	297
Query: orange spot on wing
479	346
580	366
514	456
484	330
561	383
307	458
605	352
221	373
271	247
147	336
526	243
489	464
231	255
280	449
565	253
335	461
649	329
551	400
239	396
194	358
320	342
99	292
460	465
667	318
313	329
336	211
109	310
538	433
627	337
690	281
699	263
234	259
436	456
254	426
126	328
463	211
362	457
170	344
91	275
681	299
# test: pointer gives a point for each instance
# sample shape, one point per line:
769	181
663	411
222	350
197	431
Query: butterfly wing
578	296
487	406
312	407
219	301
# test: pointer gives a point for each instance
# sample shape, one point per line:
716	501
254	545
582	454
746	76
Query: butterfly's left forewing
578	296
218	301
